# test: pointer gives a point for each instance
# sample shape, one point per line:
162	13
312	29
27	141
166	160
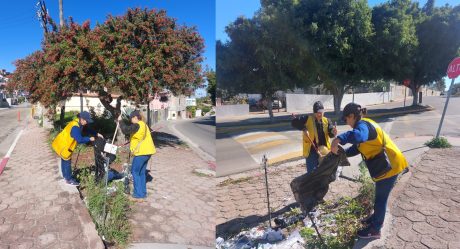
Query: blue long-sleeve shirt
76	133
360	134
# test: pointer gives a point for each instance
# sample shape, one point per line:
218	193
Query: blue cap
86	116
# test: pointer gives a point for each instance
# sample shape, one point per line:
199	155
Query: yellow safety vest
311	127
142	142
371	148
64	144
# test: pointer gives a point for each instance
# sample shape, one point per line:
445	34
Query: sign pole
445	107
405	89
264	161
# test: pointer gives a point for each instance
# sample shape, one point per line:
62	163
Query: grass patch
234	181
440	142
114	227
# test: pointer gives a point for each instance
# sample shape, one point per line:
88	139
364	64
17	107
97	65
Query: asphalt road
242	152
201	132
10	126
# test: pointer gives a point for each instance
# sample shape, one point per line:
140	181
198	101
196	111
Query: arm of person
352	151
129	129
331	128
358	135
76	134
299	123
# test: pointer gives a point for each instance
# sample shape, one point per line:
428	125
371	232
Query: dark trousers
382	192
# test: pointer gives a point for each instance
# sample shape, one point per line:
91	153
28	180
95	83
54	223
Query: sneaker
72	182
369	233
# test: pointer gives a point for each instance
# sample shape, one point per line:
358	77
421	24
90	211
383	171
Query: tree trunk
414	89
270	106
338	96
62	116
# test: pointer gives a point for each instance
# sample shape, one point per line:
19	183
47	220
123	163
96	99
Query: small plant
440	142
234	181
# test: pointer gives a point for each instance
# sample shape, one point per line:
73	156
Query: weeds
440	142
341	220
234	181
114	227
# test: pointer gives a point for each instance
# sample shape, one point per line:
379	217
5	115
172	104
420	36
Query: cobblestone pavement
34	210
180	207
244	204
426	213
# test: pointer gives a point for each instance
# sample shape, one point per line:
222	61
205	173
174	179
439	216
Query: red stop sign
453	70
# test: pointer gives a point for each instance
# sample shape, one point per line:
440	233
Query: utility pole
61	14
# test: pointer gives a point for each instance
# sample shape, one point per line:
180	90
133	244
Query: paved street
35	210
246	147
10	126
200	132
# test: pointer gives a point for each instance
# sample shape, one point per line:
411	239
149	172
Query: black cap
318	107
351	108
135	113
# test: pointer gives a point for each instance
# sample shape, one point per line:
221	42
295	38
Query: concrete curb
89	228
232	129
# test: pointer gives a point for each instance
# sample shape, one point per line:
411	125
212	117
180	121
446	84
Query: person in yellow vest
383	159
319	129
66	141
142	148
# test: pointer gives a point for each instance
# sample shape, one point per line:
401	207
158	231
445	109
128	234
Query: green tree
211	77
338	33
413	43
263	56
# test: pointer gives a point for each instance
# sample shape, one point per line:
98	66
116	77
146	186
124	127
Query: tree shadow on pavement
163	139
233	227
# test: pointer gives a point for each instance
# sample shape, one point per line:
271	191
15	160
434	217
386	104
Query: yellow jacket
141	142
64	144
371	148
311	127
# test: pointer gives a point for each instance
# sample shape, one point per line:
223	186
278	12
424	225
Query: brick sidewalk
180	207
34	210
426	212
244	204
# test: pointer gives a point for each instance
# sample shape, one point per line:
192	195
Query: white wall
73	104
232	110
304	102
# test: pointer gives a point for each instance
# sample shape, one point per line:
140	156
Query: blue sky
228	10
21	33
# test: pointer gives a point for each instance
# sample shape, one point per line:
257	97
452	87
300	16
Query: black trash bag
101	157
310	189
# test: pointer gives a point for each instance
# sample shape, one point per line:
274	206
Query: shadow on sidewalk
211	121
233	227
163	139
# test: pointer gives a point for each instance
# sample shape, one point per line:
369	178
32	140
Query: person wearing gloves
142	148
66	141
317	132
383	159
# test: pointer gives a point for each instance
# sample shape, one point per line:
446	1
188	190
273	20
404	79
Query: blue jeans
382	191
66	169
312	161
113	175
138	171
